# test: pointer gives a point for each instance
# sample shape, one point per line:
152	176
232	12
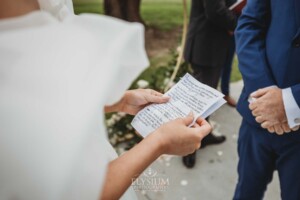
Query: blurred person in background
209	35
226	74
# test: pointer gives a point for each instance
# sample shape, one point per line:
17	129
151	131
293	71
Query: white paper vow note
186	96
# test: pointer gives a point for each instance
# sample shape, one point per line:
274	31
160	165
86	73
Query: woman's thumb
188	119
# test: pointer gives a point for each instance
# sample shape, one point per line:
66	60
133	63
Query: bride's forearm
112	108
16	8
122	170
117	107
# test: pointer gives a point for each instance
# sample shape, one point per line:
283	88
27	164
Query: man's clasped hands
268	109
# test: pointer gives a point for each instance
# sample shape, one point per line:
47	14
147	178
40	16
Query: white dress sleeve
125	49
53	141
60	9
70	6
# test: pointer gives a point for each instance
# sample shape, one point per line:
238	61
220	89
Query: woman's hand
176	138
135	100
171	138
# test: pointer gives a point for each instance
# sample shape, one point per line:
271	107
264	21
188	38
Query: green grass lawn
165	15
235	74
161	14
88	6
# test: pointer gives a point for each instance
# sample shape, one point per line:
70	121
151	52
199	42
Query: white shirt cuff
291	108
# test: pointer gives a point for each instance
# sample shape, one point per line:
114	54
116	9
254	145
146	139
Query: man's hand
280	129
135	100
268	108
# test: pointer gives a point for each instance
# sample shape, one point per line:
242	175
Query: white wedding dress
57	71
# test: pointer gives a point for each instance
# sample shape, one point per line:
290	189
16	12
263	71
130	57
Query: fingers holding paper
178	138
135	100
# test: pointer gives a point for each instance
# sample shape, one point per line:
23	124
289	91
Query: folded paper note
188	95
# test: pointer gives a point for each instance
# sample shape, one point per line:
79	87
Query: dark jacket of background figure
208	34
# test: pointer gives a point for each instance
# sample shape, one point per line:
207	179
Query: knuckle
271	130
192	150
200	137
210	128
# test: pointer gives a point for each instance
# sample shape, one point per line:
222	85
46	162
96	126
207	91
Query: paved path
214	176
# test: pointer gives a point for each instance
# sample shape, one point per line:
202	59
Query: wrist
156	141
119	106
113	108
122	103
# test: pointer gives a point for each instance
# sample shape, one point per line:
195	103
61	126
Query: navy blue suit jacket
268	48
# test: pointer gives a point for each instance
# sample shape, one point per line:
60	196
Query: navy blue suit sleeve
250	45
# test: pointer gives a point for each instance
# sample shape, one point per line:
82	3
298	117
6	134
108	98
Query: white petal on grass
183	182
110	122
220	153
142	84
129	136
121	114
179	49
166	81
